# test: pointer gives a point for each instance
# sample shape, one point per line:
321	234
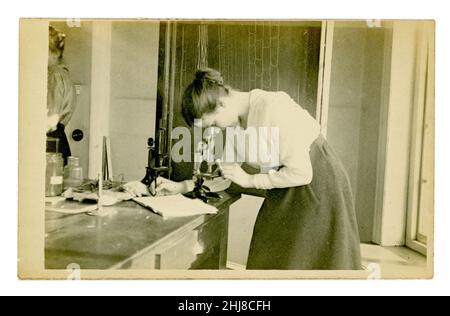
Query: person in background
61	98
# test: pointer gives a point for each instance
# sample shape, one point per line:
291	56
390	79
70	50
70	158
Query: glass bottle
54	174
73	173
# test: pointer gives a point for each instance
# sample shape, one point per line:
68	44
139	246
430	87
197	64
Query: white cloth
297	131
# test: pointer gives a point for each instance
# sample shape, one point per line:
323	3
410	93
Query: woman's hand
52	122
168	187
136	189
235	173
163	187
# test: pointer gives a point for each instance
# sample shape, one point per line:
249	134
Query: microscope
204	152
158	158
159	166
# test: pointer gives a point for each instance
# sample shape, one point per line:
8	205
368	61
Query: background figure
60	92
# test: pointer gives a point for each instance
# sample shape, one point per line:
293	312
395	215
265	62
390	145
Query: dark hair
56	41
201	96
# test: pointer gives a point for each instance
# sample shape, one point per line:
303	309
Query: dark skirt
311	227
63	146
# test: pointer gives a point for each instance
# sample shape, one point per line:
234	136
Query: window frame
423	116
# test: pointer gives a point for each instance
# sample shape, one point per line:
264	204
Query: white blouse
61	97
297	130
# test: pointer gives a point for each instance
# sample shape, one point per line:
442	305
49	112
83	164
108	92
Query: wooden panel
213	237
204	247
181	255
145	262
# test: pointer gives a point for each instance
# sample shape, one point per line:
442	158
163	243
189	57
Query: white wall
100	94
134	72
243	215
372	100
346	92
123	101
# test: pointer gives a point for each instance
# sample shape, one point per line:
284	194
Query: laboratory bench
133	237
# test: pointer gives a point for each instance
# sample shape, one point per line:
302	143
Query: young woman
60	92
308	220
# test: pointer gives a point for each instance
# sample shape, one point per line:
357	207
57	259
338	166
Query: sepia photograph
226	149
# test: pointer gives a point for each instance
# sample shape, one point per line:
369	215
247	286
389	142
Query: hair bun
209	75
57	39
61	39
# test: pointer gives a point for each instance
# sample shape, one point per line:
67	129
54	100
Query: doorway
354	70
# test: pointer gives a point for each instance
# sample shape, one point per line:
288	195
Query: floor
386	263
394	263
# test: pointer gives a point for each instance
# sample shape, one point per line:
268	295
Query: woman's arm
297	130
286	177
169	187
61	97
215	185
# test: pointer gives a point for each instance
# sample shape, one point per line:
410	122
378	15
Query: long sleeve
61	96
297	131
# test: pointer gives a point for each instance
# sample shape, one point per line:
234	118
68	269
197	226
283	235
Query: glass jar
54	174
52	145
73	173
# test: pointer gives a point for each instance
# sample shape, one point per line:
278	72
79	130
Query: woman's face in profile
224	116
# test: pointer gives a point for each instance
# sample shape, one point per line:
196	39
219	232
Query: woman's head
56	43
203	99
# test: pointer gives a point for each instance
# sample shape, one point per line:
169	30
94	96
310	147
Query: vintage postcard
226	149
